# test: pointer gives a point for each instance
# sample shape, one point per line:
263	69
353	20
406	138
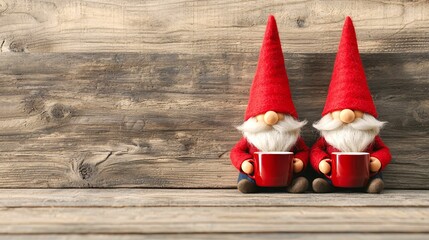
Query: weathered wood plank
212	214
213	27
61	220
316	236
127	120
14	198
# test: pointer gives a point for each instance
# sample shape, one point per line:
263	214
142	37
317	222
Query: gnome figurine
348	122
270	122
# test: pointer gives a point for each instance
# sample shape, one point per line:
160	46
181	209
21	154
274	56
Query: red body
244	150
322	150
273	169
349	170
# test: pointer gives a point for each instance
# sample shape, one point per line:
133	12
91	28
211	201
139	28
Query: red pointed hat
270	88
348	88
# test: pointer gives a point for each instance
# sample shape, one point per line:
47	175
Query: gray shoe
320	185
375	186
298	185
246	186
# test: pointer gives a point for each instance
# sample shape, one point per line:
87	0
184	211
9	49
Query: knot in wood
421	113
86	171
17	47
59	111
300	22
3	6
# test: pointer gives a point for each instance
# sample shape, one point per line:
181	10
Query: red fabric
270	89
348	88
243	150
323	150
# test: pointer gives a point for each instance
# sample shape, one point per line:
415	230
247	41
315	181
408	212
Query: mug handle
330	163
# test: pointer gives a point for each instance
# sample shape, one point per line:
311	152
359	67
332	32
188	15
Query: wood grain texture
190	27
16	198
212	214
274	236
154	120
60	220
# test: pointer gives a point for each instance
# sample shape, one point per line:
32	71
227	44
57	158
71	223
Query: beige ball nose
271	118
347	116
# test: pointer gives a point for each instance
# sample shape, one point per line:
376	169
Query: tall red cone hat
270	88
348	88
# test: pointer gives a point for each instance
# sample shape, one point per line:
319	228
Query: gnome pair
348	122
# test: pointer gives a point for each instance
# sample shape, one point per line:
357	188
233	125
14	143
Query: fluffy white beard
279	137
352	137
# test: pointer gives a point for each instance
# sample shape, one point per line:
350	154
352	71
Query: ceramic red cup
349	169
273	169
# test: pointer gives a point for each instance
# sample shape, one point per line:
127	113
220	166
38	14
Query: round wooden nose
347	116
271	118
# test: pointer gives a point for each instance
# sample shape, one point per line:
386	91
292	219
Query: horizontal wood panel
167	120
39	198
208	26
211	214
315	236
61	220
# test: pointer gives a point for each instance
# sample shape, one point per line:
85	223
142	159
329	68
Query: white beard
280	137
352	137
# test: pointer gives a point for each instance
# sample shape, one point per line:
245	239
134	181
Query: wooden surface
134	197
130	93
119	120
207	212
274	236
118	94
213	219
190	27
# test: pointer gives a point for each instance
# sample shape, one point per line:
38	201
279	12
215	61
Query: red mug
349	169
273	169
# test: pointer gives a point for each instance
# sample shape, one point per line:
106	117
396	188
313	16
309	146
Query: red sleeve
381	152
239	153
318	153
301	151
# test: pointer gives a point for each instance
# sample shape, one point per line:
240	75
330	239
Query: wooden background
130	93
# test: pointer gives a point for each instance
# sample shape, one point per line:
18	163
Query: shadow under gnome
348	122
270	122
